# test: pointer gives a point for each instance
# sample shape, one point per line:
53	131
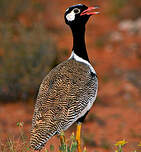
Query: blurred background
34	38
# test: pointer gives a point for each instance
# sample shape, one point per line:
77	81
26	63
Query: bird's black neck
79	46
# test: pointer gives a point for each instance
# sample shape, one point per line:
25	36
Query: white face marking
70	16
77	58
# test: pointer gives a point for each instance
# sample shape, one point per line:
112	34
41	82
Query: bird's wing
64	96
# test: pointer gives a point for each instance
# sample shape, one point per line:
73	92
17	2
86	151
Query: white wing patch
79	59
70	16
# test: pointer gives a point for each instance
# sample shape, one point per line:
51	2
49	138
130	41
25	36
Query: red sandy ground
116	114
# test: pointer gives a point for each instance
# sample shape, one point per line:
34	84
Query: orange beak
90	11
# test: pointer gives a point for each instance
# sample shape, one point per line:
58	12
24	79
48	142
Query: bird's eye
76	11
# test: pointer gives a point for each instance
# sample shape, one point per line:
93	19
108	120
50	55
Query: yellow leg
78	131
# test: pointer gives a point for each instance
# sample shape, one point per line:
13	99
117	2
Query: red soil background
116	114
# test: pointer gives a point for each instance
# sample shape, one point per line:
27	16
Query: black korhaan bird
69	90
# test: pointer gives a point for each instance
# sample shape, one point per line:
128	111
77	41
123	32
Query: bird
69	90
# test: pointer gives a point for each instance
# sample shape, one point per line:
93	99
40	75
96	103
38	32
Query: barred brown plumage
66	94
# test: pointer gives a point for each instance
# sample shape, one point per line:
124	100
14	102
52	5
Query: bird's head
79	14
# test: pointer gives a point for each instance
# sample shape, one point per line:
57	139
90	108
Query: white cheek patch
70	16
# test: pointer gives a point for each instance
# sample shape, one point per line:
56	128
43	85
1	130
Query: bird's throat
79	46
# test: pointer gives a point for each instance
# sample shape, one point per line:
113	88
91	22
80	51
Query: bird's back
65	95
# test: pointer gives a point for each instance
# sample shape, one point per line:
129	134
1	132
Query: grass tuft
66	145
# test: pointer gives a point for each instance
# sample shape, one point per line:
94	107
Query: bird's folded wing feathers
63	95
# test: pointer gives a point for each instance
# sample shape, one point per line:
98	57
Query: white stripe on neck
79	59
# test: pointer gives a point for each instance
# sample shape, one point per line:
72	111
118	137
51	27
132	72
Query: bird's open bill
90	11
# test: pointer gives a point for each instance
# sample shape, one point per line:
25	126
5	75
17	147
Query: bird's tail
39	137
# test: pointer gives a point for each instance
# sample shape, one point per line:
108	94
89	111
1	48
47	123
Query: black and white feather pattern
65	95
